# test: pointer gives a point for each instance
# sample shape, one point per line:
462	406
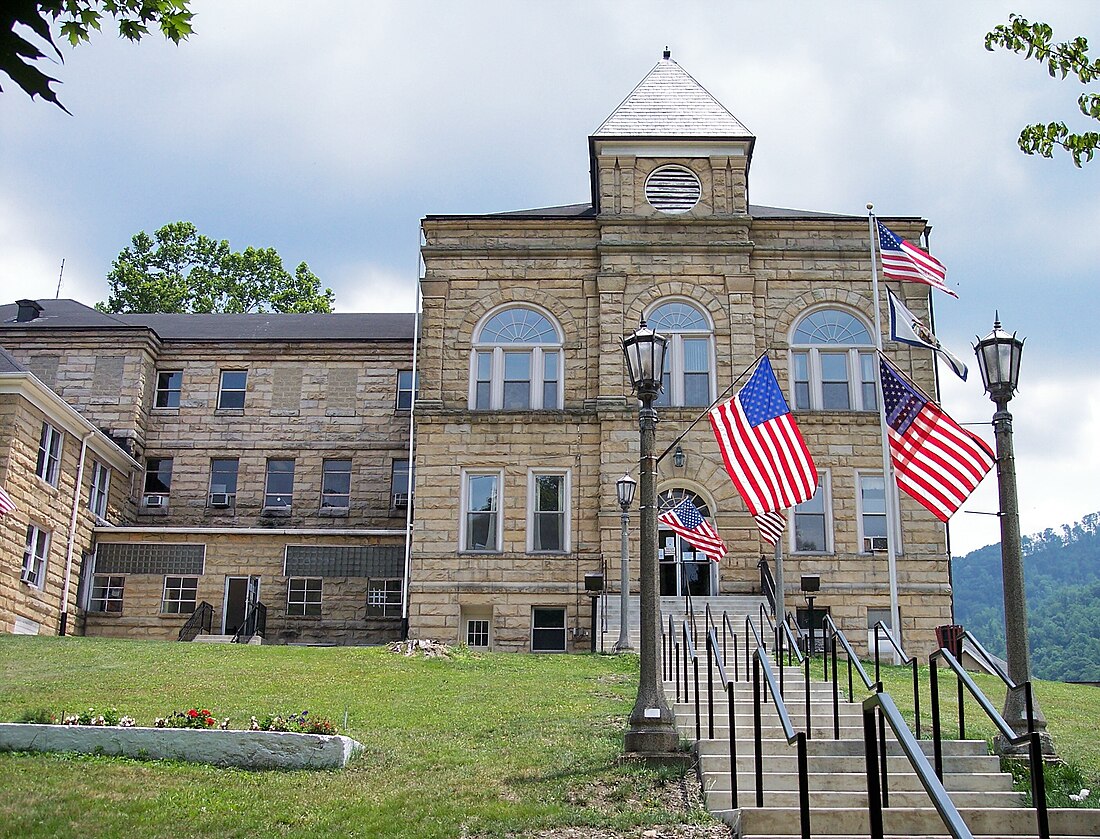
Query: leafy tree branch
1033	40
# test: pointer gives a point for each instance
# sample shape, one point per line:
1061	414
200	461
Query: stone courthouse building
525	419
162	461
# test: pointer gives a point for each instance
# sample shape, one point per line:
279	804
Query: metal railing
201	620
716	657
930	780
1031	737
767	582
882	630
255	623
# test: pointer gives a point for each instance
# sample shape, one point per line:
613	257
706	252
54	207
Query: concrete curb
244	749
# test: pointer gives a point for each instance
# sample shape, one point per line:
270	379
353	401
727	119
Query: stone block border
244	749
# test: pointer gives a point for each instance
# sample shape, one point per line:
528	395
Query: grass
476	745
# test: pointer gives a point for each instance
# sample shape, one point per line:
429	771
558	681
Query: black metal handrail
201	620
728	627
689	653
798	738
1031	736
833	636
716	656
930	780
255	623
882	629
767	582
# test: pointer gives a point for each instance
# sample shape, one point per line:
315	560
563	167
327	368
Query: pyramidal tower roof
668	102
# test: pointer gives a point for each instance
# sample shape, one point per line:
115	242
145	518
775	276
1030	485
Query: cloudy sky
326	130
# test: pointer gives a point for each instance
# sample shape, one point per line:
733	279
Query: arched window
516	362
833	363
689	361
682	568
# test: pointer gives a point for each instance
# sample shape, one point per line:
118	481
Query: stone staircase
736	605
837	780
208	638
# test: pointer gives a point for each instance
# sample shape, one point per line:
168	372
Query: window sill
333	512
229	412
275	512
166	412
313	618
152	511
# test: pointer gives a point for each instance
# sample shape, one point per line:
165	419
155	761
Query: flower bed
244	749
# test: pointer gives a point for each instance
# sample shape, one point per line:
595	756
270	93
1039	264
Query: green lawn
476	745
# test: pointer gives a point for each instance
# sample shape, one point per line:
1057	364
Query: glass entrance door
683	570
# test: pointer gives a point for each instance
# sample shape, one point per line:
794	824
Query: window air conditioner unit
220	499
27	576
874	544
400	500
153	500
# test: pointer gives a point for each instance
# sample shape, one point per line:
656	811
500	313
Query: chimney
28	310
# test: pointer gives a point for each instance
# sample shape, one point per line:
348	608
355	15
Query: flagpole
889	483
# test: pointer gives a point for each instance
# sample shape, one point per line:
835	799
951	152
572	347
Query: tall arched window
833	363
516	362
689	361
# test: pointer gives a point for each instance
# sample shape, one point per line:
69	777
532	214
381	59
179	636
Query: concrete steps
837	780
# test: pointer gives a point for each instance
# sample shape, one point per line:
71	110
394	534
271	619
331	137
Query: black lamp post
999	360
652	729
624	489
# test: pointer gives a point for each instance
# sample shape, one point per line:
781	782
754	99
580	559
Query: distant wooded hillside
1062	580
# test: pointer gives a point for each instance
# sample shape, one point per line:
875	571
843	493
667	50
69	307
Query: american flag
771	525
936	460
6	504
686	520
765	455
902	260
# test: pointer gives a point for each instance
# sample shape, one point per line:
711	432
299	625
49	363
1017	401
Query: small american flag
6	504
771	524
765	455
936	460
902	260
686	520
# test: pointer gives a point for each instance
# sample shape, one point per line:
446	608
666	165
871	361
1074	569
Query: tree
178	270
77	19
1022	36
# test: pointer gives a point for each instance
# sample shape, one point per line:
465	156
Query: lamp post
624	488
652	729
999	360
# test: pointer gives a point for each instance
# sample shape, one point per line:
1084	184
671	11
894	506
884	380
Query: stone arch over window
682	568
689	378
832	354
516	361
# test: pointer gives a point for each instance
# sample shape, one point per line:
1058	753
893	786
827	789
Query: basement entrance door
683	570
241	594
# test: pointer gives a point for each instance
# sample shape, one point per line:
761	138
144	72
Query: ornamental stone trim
244	749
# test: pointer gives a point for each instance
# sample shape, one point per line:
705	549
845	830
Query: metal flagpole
889	483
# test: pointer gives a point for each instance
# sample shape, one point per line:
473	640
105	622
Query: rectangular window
107	594
547	630
100	489
834	382
303	597
550	378
867	381
179	595
399	484
481	516
384	598
872	513
883	615
169	383
231	391
406	389
477	632
548	505
48	467
811	522
483	385
223	481
158	481
279	487
696	371
336	484
34	557
800	372
517	380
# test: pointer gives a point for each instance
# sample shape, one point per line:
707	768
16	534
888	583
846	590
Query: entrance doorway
683	569
241	594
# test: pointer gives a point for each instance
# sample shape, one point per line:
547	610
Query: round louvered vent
672	189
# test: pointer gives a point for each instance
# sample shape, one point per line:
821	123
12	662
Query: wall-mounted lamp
678	456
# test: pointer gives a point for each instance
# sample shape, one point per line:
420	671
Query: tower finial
667	55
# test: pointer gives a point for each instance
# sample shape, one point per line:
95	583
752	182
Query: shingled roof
668	102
